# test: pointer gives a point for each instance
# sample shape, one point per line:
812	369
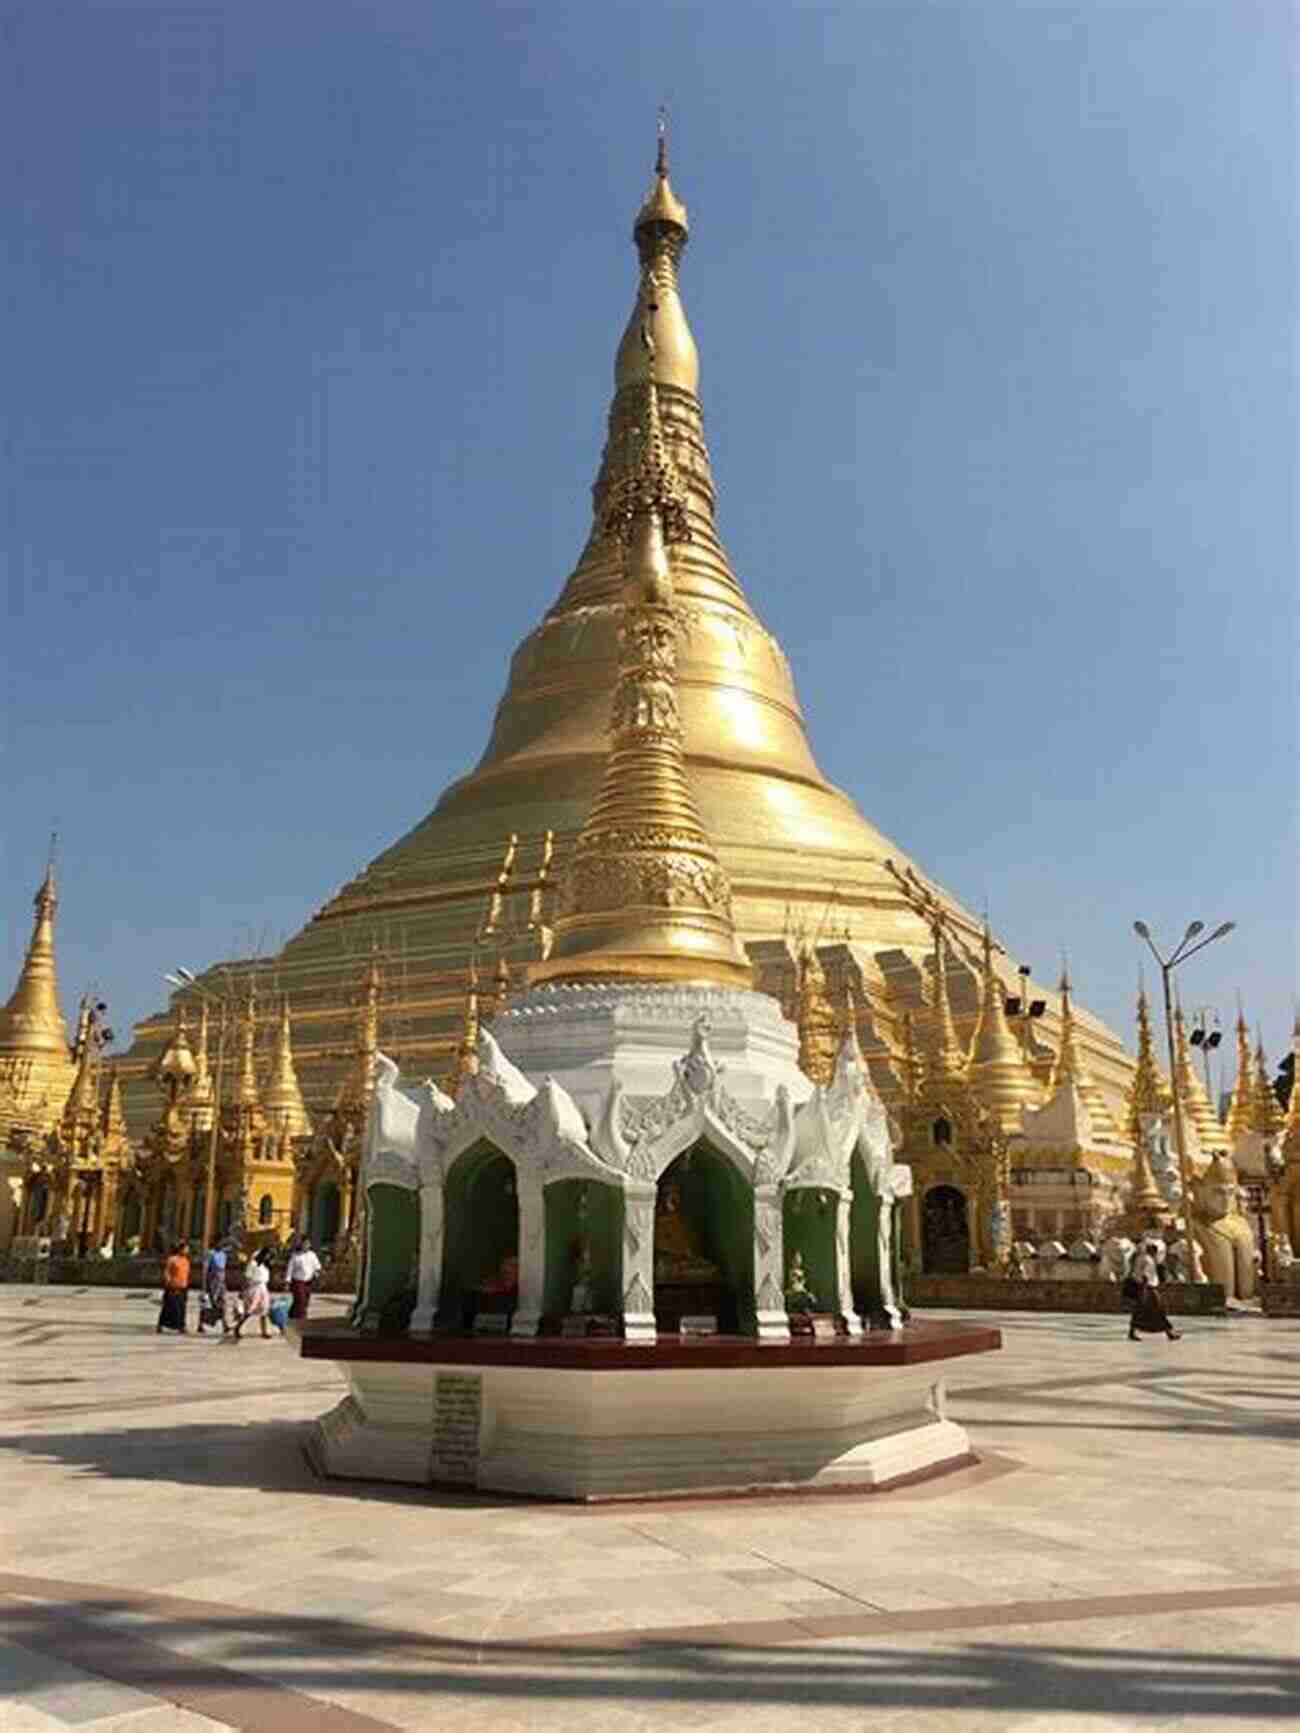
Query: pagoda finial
644	896
246	1094
1268	1116
661	152
1148	1094
1241	1109
354	1092
31	1024
282	1098
1069	1067
997	1069
944	1057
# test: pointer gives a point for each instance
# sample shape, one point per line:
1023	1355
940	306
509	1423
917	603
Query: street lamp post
1167	965
185	979
1207	1039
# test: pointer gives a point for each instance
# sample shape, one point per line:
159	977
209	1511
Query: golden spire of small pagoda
36	1068
203	1093
1148	1093
246	1092
354	1092
1267	1117
944	1059
80	1119
815	1017
1291	1123
1191	1091
1241	1109
1069	1065
116	1136
645	897
997	1070
282	1098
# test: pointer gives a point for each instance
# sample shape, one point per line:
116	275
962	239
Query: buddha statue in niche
678	1255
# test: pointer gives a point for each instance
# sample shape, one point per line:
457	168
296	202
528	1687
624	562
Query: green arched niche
864	1246
392	1262
716	1209
808	1227
578	1212
480	1236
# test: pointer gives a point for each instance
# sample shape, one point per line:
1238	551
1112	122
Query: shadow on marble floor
339	1657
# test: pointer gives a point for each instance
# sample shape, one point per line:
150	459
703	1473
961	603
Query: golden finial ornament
497	896
36	1068
537	898
1070	1067
644	897
1241	1108
944	1059
282	1100
1267	1117
353	1097
246	1092
1148	1094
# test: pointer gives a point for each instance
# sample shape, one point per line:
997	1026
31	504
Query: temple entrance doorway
480	1260
704	1244
325	1208
945	1232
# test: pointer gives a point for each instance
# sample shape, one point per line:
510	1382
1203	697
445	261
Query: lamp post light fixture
1180	954
1023	1010
1207	1039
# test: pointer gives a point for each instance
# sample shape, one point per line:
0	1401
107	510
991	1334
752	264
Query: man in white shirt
304	1267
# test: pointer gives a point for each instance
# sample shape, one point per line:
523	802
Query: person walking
176	1282
213	1310
1143	1289
257	1292
304	1267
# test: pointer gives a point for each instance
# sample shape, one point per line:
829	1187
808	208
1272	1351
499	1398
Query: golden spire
175	1068
944	1060
31	1024
997	1069
657	344
1267	1118
114	1120
202	1094
1148	1092
1069	1065
1291	1124
1241	1109
246	1077
354	1091
466	1063
644	895
282	1098
1191	1091
815	1017
81	1112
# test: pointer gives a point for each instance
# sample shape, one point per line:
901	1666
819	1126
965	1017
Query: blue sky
315	309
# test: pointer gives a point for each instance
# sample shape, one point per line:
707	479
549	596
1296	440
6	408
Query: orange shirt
176	1272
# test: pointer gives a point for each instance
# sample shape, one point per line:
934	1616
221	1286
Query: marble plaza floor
1126	1555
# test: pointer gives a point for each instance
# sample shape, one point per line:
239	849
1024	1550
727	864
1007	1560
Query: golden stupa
792	846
